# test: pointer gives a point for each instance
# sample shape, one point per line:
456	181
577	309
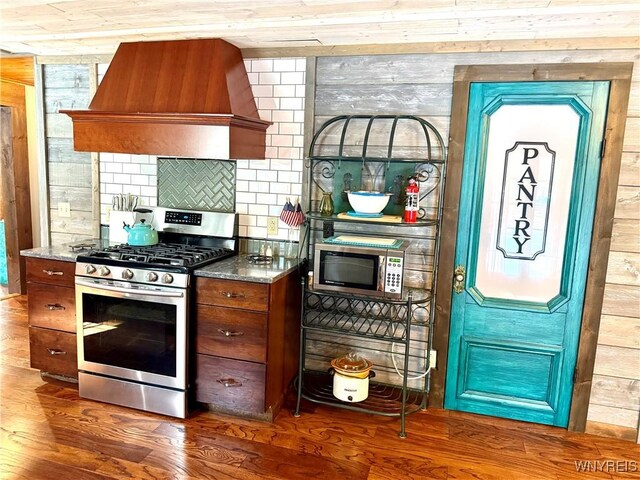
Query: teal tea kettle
141	234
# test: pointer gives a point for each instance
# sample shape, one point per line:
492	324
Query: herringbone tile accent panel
197	184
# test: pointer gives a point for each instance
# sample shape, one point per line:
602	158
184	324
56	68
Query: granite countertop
239	268
235	268
64	252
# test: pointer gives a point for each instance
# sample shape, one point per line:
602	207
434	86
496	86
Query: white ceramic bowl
365	202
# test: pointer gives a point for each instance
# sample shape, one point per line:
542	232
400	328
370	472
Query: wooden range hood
186	98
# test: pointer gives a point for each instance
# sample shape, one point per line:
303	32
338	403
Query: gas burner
161	254
80	247
260	259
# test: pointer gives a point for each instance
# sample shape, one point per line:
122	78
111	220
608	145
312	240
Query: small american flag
299	214
291	215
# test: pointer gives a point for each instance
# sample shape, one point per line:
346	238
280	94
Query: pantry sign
525	201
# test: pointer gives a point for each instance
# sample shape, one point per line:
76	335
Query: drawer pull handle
55	306
52	272
53	351
229	382
228	333
232	295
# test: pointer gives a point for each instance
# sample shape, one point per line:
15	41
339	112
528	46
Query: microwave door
351	271
348	271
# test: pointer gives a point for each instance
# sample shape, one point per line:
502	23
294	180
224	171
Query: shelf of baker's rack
383	399
371	221
379	319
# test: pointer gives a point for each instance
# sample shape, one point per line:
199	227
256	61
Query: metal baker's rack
374	152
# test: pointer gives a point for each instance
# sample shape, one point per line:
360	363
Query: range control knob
152	276
89	269
104	271
167	278
127	274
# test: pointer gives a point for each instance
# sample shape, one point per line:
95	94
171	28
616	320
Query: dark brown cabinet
246	343
228	333
233	385
53	351
52	316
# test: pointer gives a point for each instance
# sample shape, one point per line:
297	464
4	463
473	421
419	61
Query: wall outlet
64	209
272	225
433	356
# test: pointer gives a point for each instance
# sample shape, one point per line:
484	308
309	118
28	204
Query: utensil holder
117	234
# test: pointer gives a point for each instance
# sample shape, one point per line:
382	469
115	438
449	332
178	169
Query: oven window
349	269
130	334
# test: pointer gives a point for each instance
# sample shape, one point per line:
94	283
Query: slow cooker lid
351	363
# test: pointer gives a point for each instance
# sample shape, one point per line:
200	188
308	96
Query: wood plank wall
421	84
69	172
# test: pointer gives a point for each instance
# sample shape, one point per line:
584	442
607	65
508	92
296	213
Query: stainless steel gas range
132	309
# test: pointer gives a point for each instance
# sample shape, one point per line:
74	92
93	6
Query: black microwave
366	270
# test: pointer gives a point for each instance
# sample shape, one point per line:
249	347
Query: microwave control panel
393	275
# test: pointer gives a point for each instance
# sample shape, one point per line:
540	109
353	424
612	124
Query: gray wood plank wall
421	84
69	172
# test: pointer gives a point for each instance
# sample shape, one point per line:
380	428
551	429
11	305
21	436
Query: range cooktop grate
164	254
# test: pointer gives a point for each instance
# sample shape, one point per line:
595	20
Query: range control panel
393	277
183	218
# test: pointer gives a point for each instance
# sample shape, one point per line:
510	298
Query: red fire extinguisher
411	205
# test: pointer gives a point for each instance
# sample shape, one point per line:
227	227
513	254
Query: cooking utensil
351	375
82	246
130	202
125	203
141	234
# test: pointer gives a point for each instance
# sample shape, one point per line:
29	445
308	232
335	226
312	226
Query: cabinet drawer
231	333
52	307
53	351
231	384
53	272
233	293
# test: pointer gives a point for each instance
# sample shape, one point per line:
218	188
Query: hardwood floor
47	432
4	292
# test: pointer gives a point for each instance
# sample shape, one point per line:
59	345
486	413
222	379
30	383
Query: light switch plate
64	209
433	356
272	225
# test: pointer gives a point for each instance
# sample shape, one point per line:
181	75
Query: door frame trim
619	76
15	187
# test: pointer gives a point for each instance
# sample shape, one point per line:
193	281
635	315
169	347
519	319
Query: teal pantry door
529	184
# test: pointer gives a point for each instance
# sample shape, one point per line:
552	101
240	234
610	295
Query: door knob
459	275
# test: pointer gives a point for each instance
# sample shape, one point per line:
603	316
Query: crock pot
351	375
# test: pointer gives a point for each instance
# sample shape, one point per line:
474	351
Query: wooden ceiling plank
610	43
90	27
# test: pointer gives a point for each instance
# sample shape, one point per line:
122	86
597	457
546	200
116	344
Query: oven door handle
153	293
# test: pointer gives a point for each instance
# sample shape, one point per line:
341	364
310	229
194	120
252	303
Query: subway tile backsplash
124	173
261	186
